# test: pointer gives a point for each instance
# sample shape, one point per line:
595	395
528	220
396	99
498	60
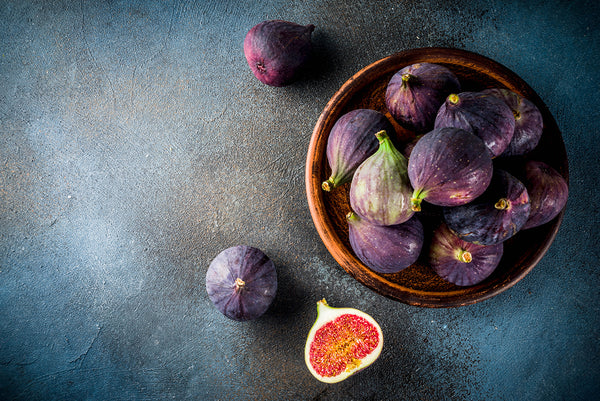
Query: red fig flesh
276	50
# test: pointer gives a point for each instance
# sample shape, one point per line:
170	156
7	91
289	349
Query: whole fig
241	281
448	167
386	249
460	262
495	216
380	191
416	92
529	123
351	140
482	114
276	50
548	192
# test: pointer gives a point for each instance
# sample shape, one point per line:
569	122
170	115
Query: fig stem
417	198
351	216
239	284
406	78
465	256
453	98
328	185
502	204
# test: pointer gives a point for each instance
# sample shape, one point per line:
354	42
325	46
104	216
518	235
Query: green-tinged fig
416	92
448	167
482	114
351	140
460	262
385	249
380	191
495	216
341	342
529	123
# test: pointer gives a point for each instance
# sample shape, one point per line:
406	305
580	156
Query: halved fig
341	342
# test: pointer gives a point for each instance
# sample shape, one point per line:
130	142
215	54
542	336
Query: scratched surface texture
135	145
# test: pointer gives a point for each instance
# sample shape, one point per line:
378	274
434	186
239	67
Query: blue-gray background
135	145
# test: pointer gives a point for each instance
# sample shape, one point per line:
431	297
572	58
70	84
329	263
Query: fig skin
460	262
351	141
498	214
548	192
416	92
386	249
529	123
481	114
276	50
241	281
380	191
448	167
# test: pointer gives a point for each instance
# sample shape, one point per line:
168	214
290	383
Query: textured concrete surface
135	145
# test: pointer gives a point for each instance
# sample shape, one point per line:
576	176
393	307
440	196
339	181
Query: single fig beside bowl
241	281
385	249
448	167
495	216
529	122
482	114
380	191
351	140
460	262
548	192
341	342
276	50
416	92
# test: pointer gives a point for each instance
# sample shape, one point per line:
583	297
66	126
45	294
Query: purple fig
495	216
351	140
276	50
482	114
448	167
380	191
416	92
241	282
529	123
460	262
548	192
385	249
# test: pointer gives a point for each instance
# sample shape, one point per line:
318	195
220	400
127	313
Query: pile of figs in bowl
437	177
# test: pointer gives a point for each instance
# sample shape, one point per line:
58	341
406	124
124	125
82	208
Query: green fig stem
417	198
453	98
502	204
406	78
517	115
465	256
351	216
328	185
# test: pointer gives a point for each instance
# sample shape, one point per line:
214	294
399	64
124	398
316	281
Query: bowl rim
315	196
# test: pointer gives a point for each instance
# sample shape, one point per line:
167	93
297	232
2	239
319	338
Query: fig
341	342
448	167
529	123
416	92
241	281
548	192
351	140
380	191
498	214
276	50
385	249
482	114
460	262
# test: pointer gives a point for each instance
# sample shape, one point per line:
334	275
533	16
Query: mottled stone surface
135	145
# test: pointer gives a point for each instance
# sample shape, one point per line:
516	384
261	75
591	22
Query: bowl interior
418	284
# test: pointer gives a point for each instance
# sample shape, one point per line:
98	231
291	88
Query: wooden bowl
418	284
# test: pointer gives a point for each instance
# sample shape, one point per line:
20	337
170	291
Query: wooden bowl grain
418	284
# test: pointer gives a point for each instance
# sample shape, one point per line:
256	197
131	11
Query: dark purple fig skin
409	146
351	140
548	192
276	50
529	122
460	262
250	298
386	249
498	214
416	92
380	191
448	167
482	114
